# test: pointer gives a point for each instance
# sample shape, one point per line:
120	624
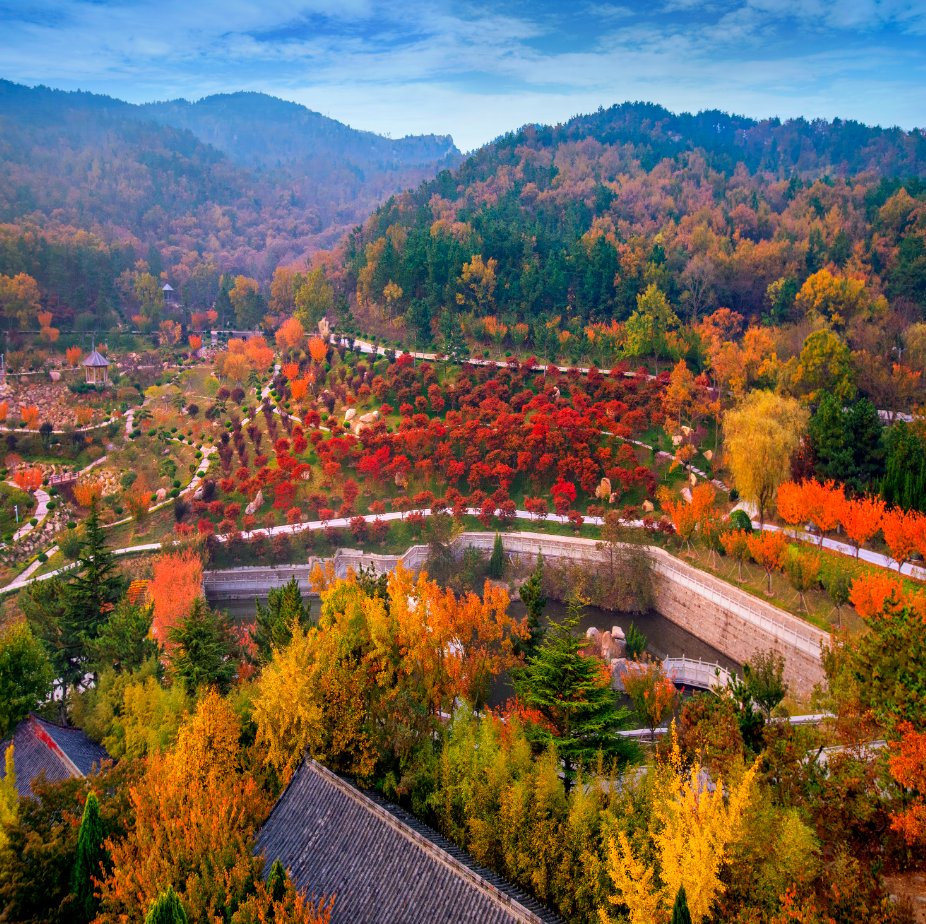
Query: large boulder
255	504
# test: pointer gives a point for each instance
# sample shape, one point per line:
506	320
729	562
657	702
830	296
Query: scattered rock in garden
255	504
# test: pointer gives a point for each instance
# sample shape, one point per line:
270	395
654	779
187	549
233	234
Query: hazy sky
475	70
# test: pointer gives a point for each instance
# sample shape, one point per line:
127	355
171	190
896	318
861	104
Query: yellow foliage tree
761	435
373	677
694	826
477	284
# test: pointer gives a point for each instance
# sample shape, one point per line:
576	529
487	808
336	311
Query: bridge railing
702	674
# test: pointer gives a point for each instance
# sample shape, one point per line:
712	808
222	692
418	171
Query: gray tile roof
59	752
381	864
95	359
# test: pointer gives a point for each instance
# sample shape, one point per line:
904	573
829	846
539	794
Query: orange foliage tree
290	335
28	479
87	491
299	388
30	416
4	410
318	349
908	767
195	341
259	354
735	545
138	499
177	580
819	502
652	692
824	502
861	518
72	355
904	532
83	415
767	549
688	517
792	503
876	594
195	810
290	370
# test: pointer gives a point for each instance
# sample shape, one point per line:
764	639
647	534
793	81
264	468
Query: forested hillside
279	182
573	222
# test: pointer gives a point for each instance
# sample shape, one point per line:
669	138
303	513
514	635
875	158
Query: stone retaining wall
731	620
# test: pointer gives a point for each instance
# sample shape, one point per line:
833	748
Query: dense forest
571	223
189	181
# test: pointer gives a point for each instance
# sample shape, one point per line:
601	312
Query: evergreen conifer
167	909
89	860
680	912
497	560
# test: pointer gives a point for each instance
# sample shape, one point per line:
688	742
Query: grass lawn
11	498
820	609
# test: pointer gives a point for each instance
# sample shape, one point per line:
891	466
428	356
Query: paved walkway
41	511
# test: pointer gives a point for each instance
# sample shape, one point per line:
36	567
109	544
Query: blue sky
474	69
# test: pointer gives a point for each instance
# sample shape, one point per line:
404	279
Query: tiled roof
58	751
381	865
96	359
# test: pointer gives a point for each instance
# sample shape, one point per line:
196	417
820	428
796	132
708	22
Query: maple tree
87	491
861	519
767	549
30	417
176	582
290	335
735	545
904	532
907	764
875	594
651	691
318	349
29	479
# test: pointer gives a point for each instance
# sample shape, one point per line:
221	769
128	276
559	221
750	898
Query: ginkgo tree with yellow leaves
695	822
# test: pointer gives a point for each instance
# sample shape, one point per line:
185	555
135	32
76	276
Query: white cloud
476	70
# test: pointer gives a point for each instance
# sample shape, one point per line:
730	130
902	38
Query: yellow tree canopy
761	434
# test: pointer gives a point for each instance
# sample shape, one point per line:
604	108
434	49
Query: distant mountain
257	130
573	221
245	180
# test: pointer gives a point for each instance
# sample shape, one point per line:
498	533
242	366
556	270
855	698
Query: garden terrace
371	435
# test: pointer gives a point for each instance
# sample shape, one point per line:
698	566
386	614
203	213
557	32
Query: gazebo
96	369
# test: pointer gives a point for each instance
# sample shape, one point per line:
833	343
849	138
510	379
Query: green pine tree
90	858
273	627
573	693
533	597
167	909
69	613
680	912
497	560
276	881
97	585
204	648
